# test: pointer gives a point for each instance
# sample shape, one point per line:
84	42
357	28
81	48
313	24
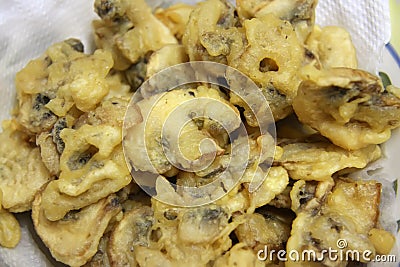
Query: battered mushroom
155	135
22	172
239	255
91	154
271	229
320	160
175	17
209	32
100	259
300	13
111	175
133	230
50	86
166	57
10	232
74	239
147	33
49	153
333	47
350	107
348	212
186	236
271	57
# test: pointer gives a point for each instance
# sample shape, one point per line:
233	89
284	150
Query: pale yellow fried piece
333	47
131	32
175	17
209	32
257	50
74	239
237	200
239	255
348	106
382	240
63	77
110	112
358	201
106	34
133	230
165	57
151	257
85	84
260	230
88	158
147	34
300	13
348	212
100	259
320	160
187	236
273	55
48	152
22	172
260	151
276	180
38	82
10	232
149	153
56	205
201	225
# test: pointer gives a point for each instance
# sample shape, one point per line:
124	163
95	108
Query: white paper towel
368	22
27	28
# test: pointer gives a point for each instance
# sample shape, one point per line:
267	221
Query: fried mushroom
273	55
100	259
56	204
133	230
188	236
149	152
74	239
63	78
320	160
271	229
301	14
347	212
348	106
165	57
210	31
333	47
88	158
49	153
83	82
22	172
271	59
239	255
275	182
175	17
10	232
147	34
